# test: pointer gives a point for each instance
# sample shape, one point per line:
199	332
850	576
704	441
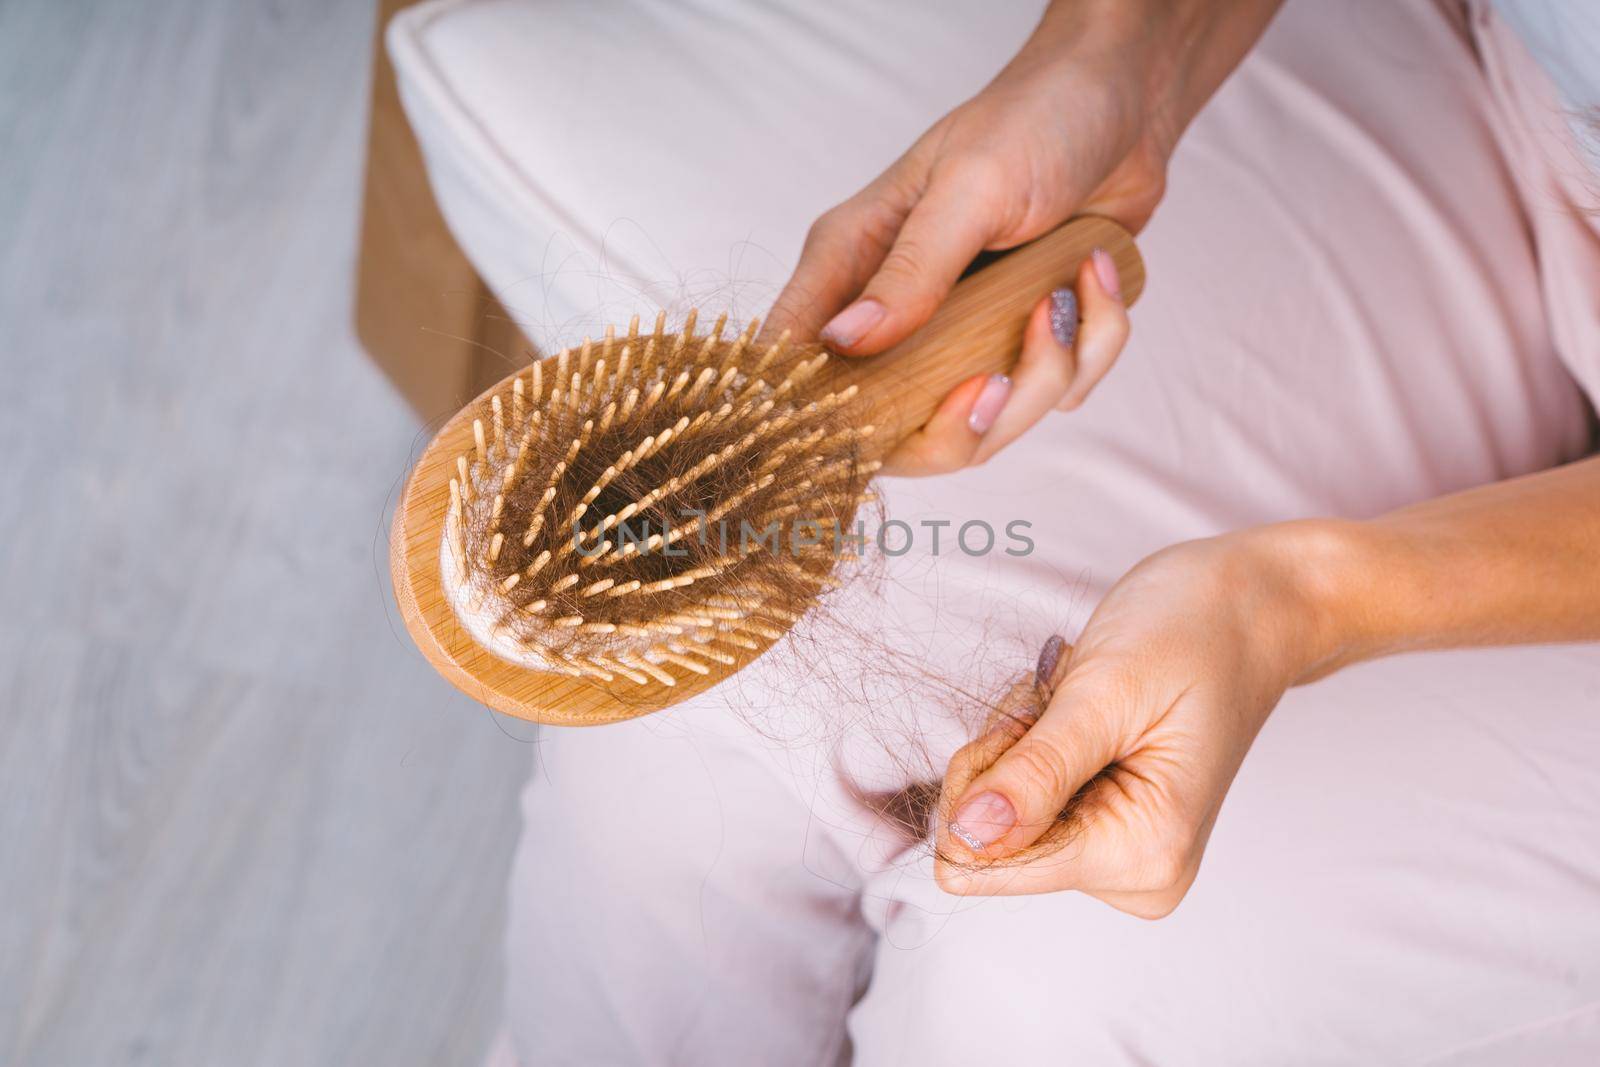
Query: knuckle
1106	343
950	879
825	228
986	449
1121	330
919	465
939	463
877	224
980	173
1040	768
1046	367
911	460
938	454
967	756
1166	867
903	266
1056	374
1154	906
1112	685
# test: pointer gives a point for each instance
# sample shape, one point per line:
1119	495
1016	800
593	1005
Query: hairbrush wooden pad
535	558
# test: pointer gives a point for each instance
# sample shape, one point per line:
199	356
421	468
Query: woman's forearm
1190	47
1510	563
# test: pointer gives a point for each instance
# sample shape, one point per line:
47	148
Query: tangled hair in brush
647	505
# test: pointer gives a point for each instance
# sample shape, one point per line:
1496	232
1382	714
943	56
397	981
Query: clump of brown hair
648	505
913	811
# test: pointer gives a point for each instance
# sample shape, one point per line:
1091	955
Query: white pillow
600	159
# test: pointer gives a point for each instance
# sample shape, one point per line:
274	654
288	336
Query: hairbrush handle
979	327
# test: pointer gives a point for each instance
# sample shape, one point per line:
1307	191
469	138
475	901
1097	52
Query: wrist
1312	576
1178	51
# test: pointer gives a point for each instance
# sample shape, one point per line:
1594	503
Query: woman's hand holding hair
1148	719
1082	121
1149	716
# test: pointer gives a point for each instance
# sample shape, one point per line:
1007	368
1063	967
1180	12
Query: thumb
843	249
1013	802
940	238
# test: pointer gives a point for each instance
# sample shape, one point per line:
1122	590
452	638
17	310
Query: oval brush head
623	524
645	508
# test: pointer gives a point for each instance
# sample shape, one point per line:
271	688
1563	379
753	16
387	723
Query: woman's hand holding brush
1082	121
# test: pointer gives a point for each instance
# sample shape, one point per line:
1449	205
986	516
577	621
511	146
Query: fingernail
1064	316
1044	672
1106	268
990	403
853	323
983	820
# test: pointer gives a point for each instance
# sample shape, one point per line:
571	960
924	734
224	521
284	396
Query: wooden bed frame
422	312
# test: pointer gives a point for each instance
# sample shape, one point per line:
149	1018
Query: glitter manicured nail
984	819
1064	316
1044	672
965	838
1049	656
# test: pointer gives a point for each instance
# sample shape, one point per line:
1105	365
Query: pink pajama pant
1371	283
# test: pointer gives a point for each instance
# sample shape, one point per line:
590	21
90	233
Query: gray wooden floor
241	822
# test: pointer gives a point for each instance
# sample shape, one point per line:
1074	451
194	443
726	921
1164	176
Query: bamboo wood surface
978	330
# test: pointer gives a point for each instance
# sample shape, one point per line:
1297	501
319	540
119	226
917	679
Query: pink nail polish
990	403
1106	269
853	323
983	820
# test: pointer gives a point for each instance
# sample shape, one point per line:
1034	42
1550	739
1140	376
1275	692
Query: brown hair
639	502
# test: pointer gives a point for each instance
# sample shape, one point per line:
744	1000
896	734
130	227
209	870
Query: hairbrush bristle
674	500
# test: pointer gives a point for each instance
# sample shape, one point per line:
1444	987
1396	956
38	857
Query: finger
1082	851
843	249
1151	903
1051	668
1052	373
1040	379
1146	905
1113	846
1011	804
1103	330
1129	838
941	236
950	439
1160	902
1021	705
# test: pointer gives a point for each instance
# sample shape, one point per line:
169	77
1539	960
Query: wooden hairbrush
624	524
